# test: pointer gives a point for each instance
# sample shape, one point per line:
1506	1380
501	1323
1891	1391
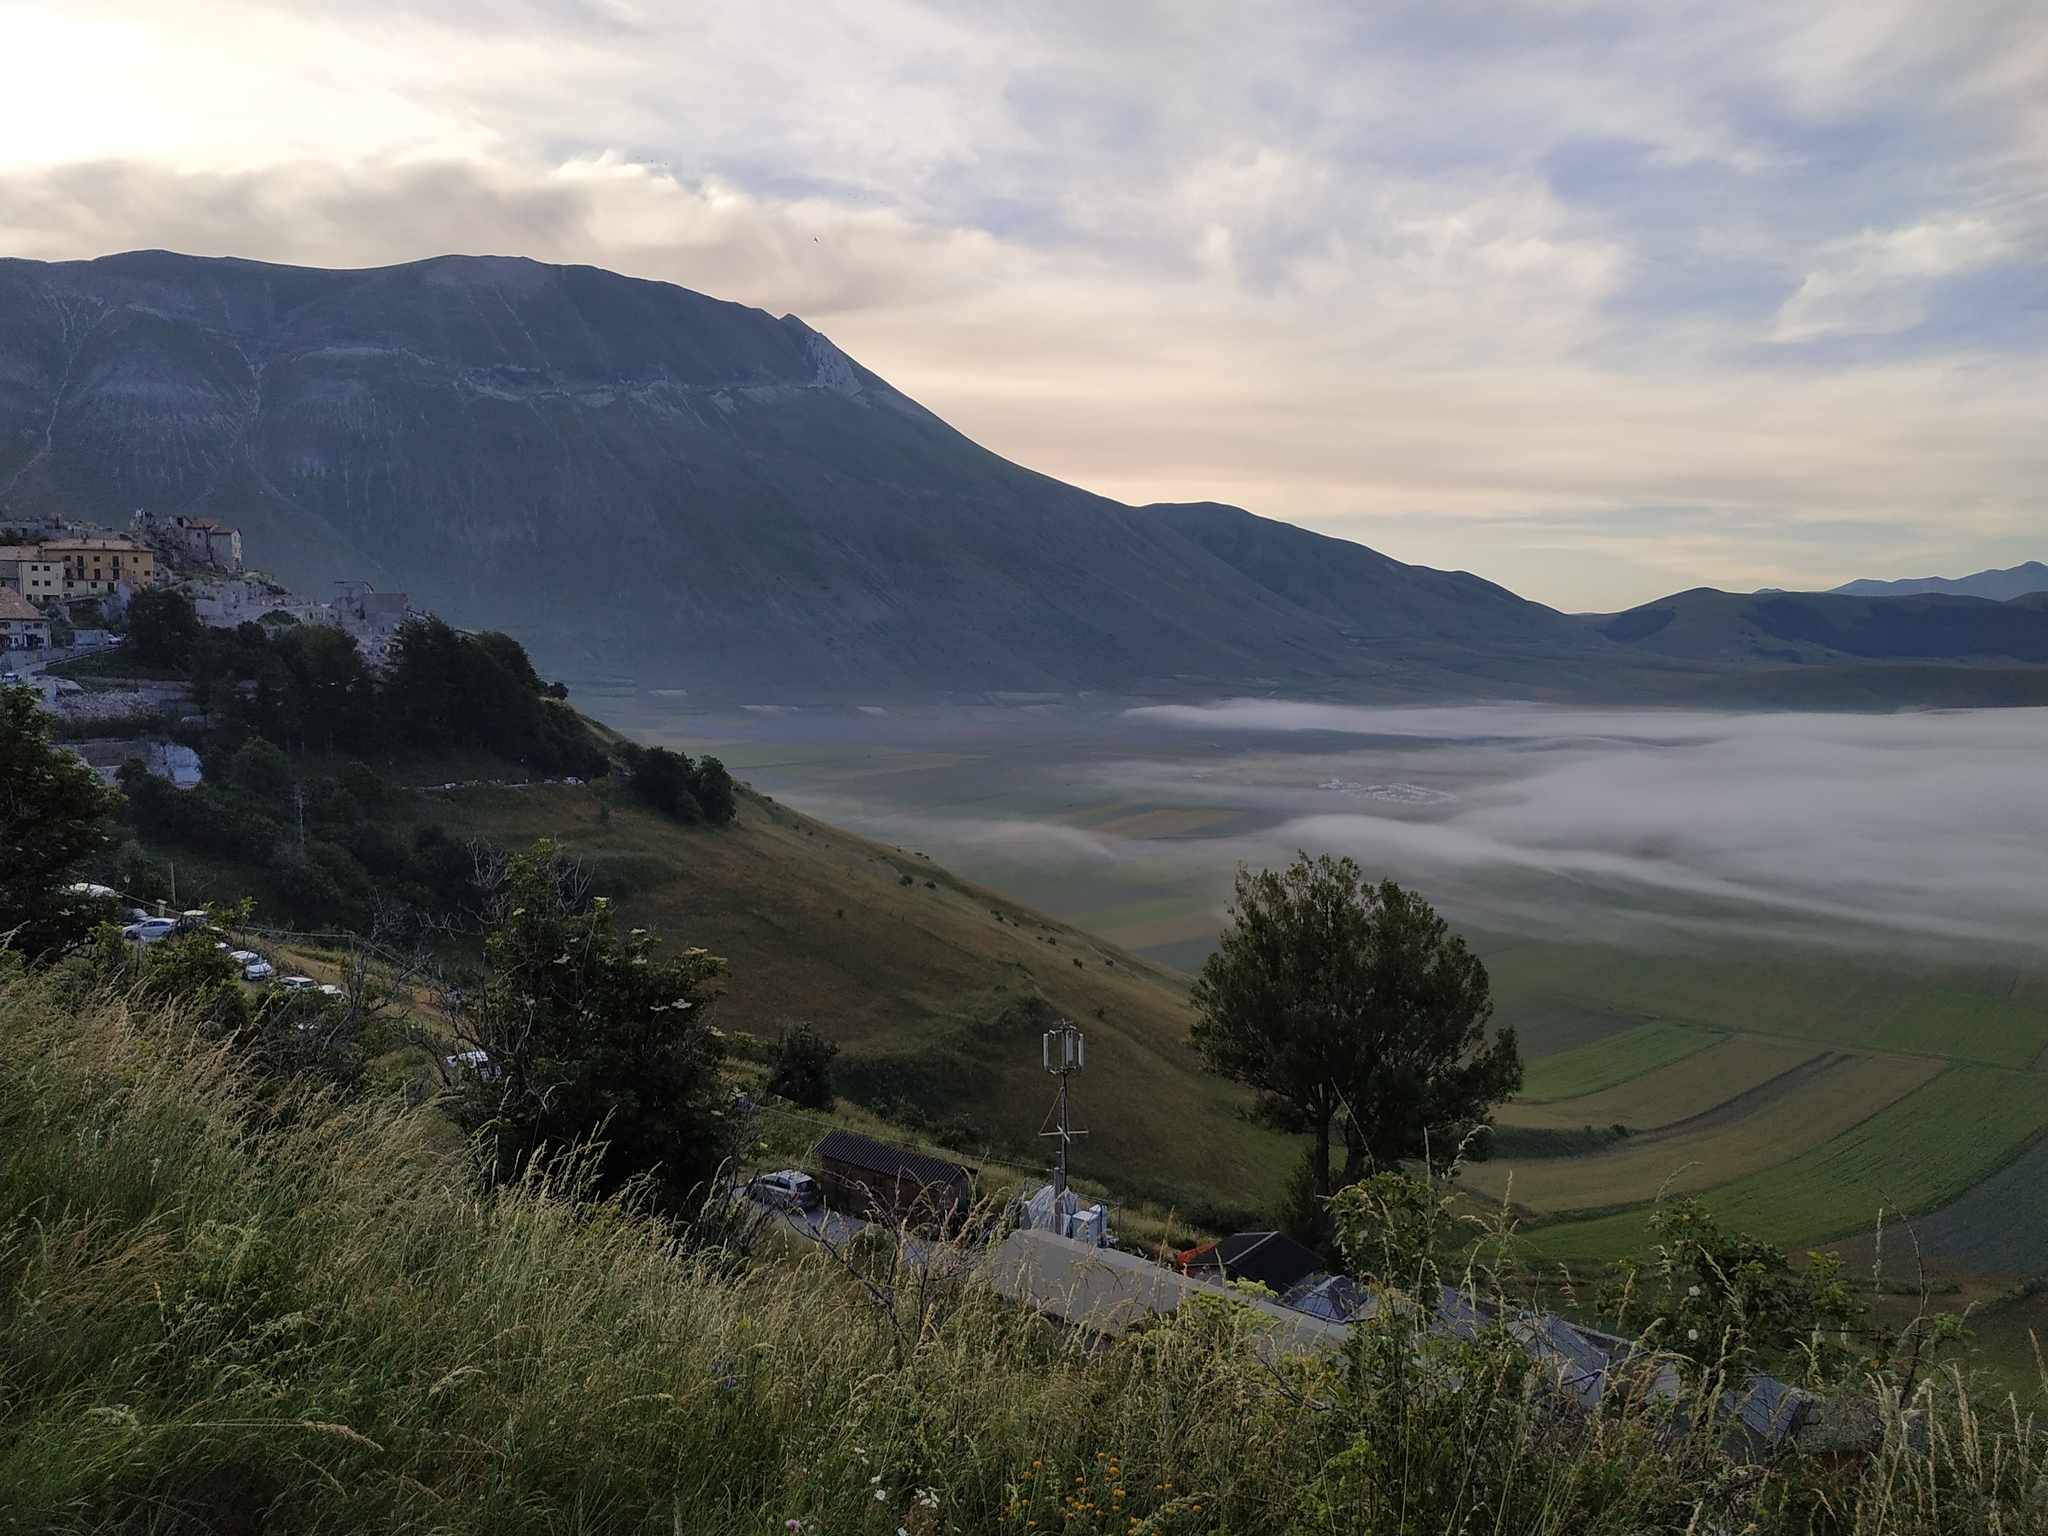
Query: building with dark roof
867	1178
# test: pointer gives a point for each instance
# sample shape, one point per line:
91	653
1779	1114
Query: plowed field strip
1670	1094
1827	1103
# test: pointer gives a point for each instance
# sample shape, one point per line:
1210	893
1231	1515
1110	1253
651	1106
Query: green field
1800	1158
1997	1031
1604	1063
1922	1151
1991	1013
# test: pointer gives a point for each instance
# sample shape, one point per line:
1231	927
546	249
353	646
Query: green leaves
592	1038
1333	996
1726	1302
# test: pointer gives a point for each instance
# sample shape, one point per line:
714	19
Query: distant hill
645	484
1803	628
2013	581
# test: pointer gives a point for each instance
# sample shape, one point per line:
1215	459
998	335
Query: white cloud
1875	283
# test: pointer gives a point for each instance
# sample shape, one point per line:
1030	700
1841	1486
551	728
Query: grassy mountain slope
1365	592
937	991
649	485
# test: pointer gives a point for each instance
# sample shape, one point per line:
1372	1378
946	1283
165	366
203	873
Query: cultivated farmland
1785	1118
1912	1156
1604	1063
1690	1086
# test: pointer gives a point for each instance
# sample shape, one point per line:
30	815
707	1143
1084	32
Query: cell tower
1065	1049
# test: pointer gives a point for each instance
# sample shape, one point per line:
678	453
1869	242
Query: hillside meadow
236	1304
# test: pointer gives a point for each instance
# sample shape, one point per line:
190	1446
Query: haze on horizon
1597	300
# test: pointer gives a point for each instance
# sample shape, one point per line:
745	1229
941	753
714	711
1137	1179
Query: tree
588	1039
713	788
688	791
1329	995
662	778
53	812
163	627
803	1068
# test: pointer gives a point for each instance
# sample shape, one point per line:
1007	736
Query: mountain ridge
1998	585
652	485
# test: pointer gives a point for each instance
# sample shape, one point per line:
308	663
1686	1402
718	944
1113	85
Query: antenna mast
1065	1048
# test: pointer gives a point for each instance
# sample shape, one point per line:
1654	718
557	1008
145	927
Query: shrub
803	1068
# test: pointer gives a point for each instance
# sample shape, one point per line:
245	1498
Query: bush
803	1068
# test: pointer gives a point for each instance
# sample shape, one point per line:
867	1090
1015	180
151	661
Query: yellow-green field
1589	1068
1690	1086
1912	1156
1844	1092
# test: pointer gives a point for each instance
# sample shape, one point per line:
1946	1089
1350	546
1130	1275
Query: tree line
307	687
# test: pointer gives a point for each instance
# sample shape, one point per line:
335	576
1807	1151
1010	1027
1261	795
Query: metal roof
891	1162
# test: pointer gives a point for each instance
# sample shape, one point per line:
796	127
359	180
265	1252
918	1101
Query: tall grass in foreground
227	1305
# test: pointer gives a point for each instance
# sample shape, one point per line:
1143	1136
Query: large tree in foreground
53	812
1342	1001
587	1039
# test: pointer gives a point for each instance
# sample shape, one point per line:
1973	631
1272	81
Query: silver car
254	966
150	929
789	1190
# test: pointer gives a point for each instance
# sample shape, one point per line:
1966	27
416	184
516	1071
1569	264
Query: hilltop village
65	589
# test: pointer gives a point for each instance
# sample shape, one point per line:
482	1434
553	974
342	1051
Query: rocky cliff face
630	476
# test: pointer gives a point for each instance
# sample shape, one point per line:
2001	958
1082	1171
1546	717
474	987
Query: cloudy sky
1597	300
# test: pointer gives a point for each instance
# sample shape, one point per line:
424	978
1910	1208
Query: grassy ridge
1923	1150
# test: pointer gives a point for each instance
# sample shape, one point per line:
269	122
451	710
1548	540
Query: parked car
295	983
329	989
474	1063
150	929
254	966
791	1189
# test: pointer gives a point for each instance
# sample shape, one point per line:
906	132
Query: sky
1600	301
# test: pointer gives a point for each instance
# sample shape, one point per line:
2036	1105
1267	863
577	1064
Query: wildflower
881	1495
1692	1334
1692	1290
